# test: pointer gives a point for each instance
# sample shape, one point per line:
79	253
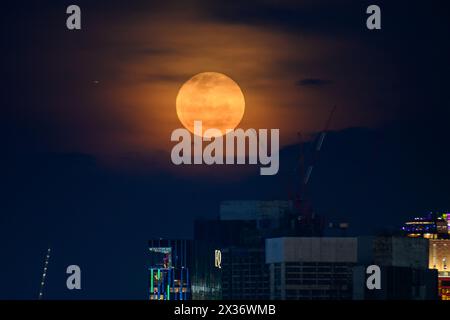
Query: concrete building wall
401	252
298	249
311	268
365	250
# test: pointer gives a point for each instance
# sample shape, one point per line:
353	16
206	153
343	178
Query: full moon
212	98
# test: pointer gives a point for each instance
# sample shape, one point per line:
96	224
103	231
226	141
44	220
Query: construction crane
318	147
308	223
44	275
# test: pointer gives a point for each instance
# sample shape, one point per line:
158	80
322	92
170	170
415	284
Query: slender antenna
44	274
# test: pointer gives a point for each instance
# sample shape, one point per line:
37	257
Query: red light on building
444	288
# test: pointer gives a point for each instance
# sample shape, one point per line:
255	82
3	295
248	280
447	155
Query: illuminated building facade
440	256
433	226
444	288
439	260
169	266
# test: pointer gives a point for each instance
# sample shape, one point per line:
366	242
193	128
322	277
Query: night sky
86	118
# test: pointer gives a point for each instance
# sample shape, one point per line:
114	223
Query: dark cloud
317	16
313	82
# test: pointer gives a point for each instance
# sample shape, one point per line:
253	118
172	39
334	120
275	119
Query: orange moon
212	98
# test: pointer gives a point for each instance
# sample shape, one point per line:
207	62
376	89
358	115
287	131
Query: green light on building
151	281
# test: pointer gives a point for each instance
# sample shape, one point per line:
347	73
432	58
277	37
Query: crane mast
44	275
308	223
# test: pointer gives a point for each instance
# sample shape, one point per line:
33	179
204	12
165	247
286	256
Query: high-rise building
397	283
237	237
169	267
400	252
213	240
440	260
245	276
404	269
311	268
